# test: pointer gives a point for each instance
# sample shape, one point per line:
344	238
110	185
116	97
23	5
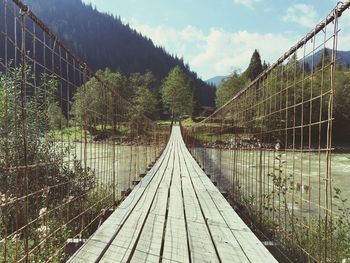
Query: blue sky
216	37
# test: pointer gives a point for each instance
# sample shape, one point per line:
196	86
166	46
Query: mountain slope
343	58
102	41
216	80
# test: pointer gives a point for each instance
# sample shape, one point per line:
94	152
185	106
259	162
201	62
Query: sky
217	37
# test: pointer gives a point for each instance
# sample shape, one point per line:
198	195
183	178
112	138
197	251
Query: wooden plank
201	246
152	234
96	244
213	202
226	245
123	244
175	239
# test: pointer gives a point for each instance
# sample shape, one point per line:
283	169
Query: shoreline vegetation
51	191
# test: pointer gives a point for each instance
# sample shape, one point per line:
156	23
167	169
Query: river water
305	176
305	173
121	164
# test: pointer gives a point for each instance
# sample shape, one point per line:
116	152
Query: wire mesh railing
70	145
271	148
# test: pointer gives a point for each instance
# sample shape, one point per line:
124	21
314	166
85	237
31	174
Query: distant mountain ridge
102	40
343	58
216	80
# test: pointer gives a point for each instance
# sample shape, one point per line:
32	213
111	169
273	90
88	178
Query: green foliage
337	229
37	101
341	226
255	67
96	103
145	102
177	92
116	82
164	122
146	80
342	94
25	142
112	100
56	117
310	91
87	104
144	88
69	134
229	87
101	107
265	65
187	122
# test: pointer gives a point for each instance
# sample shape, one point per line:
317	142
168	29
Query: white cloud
174	40
302	14
215	52
248	3
224	51
344	34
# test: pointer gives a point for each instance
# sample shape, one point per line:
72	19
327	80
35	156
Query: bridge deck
175	214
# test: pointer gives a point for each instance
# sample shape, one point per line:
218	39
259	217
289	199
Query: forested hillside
321	81
103	41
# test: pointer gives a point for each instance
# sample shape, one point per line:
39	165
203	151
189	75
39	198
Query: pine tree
255	67
265	66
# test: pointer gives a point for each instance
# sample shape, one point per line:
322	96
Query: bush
39	187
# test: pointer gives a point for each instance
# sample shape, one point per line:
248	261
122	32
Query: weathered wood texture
175	214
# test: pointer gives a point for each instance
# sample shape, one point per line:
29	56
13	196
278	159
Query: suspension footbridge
174	214
81	164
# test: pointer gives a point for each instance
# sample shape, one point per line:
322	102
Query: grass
208	137
188	122
77	134
164	122
71	133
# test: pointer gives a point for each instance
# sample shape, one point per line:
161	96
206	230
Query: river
304	174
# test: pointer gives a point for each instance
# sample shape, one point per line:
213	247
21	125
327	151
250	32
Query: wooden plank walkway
175	214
